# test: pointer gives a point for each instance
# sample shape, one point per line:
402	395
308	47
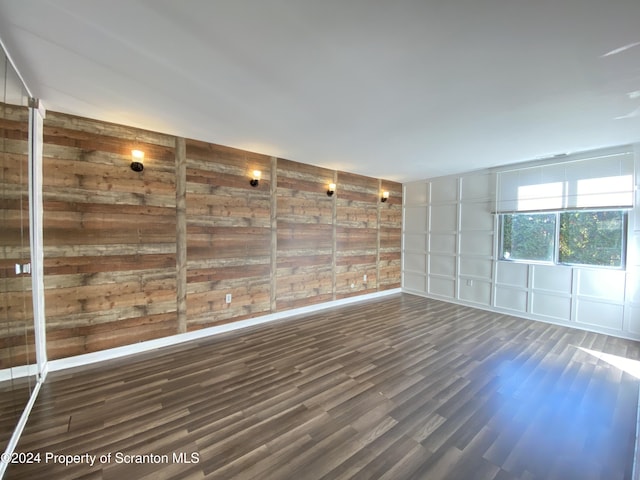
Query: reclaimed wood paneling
228	235
109	236
17	345
135	256
305	235
181	234
274	235
357	232
390	235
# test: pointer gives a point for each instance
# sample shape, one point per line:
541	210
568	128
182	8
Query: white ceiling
397	89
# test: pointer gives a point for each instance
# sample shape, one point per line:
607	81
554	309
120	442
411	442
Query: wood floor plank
398	388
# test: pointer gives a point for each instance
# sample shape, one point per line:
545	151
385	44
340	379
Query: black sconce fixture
256	178
137	159
332	189
385	197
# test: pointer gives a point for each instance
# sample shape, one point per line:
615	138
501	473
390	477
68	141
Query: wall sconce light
385	197
256	178
332	189
137	159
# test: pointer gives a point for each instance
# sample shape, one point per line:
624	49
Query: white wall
450	250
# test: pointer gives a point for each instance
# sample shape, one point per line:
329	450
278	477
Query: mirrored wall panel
17	345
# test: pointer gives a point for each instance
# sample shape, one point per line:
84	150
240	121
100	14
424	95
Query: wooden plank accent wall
390	233
274	234
181	234
357	234
109	236
305	235
17	344
228	235
135	256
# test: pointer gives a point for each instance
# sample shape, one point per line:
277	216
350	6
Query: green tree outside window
592	238
583	237
529	237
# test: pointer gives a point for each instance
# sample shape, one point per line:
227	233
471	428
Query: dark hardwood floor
398	388
14	396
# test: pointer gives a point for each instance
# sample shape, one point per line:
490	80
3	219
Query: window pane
528	236
592	238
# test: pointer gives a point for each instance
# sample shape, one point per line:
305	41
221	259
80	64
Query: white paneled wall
449	222
415	238
476	238
450	244
631	321
442	231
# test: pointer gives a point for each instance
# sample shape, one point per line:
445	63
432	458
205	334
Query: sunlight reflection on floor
632	367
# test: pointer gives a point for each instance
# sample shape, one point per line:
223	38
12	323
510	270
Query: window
529	236
569	211
594	237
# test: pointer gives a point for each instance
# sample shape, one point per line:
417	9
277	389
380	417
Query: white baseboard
118	352
20	371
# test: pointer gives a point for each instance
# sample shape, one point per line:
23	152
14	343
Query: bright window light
543	196
613	191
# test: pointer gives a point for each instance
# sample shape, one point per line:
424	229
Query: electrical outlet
469	283
364	277
353	285
227	298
